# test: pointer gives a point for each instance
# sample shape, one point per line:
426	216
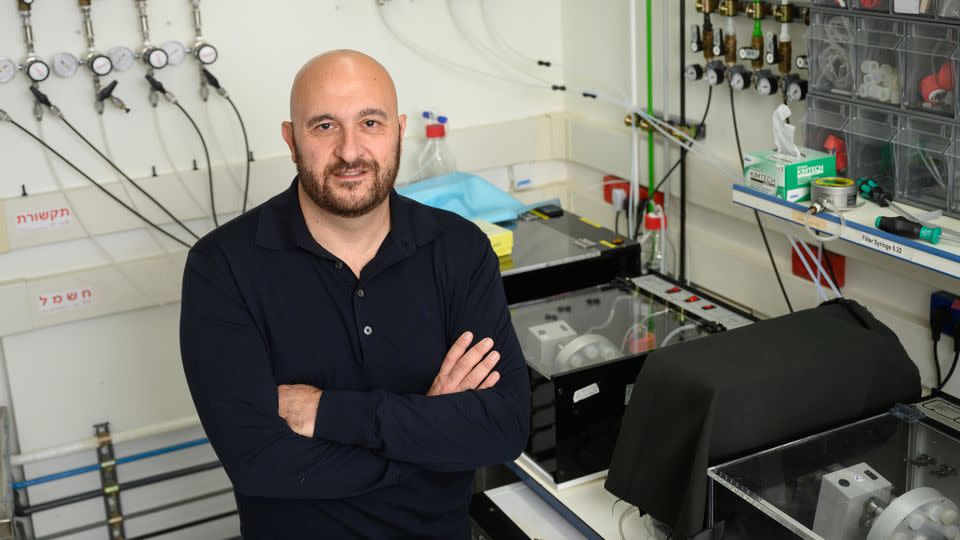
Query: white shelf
587	506
943	257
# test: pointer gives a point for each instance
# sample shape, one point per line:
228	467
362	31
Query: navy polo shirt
264	304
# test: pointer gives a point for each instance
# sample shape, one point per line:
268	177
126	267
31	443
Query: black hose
756	214
133	515
936	365
186	525
206	153
246	154
24	511
97	184
125	176
682	273
953	367
683	152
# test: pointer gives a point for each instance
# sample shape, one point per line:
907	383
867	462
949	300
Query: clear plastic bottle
653	239
436	159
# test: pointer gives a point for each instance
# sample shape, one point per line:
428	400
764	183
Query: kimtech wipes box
786	171
787	177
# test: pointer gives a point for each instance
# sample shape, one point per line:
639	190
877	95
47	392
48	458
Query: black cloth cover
710	400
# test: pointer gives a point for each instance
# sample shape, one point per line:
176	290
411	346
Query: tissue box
786	177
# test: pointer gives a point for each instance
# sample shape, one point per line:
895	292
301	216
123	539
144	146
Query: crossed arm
361	441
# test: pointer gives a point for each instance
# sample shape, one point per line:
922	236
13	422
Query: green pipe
757	20
651	206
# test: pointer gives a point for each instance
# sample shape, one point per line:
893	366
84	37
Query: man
331	336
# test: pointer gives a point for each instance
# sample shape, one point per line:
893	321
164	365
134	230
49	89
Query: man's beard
361	198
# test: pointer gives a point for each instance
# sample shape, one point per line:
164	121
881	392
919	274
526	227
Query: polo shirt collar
282	225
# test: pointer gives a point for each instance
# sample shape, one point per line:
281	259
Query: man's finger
491	380
456	351
480	372
470	359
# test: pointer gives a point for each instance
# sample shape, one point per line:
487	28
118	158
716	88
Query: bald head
338	72
345	132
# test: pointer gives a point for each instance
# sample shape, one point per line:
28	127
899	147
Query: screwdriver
902	226
871	190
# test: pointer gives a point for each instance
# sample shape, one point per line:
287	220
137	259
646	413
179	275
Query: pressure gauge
207	54
740	78
156	58
693	72
65	65
714	73
99	64
121	57
795	88
37	70
8	70
767	83
176	52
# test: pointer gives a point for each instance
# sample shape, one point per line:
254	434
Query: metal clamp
109	481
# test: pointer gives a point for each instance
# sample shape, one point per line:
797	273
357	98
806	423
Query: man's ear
286	130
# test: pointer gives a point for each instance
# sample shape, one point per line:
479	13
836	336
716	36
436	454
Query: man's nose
349	148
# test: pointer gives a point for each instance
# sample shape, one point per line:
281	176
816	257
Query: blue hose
120	461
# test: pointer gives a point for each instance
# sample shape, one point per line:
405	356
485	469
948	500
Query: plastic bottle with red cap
436	159
653	239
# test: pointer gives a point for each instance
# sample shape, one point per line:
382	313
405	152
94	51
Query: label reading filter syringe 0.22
888	247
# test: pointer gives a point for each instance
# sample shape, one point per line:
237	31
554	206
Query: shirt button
360	293
339	265
367	330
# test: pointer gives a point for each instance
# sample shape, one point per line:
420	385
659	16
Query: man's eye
326	126
370	123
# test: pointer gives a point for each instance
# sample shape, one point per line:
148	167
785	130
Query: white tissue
783	133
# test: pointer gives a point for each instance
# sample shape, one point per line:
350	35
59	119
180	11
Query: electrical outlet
618	198
945	300
611	182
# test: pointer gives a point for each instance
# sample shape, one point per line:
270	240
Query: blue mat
466	194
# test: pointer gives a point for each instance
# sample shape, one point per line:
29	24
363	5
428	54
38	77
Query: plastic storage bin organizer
876	62
870	149
828	40
949	9
823	130
927	59
830	3
882	6
954	154
923	163
925	8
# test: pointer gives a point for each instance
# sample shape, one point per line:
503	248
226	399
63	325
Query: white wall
124	367
725	251
61	376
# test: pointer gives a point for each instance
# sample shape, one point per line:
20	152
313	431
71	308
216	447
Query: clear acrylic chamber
891	477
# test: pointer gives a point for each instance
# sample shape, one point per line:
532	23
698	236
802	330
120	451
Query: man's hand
464	369
298	406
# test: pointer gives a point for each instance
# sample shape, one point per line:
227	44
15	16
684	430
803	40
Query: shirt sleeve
227	366
460	431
